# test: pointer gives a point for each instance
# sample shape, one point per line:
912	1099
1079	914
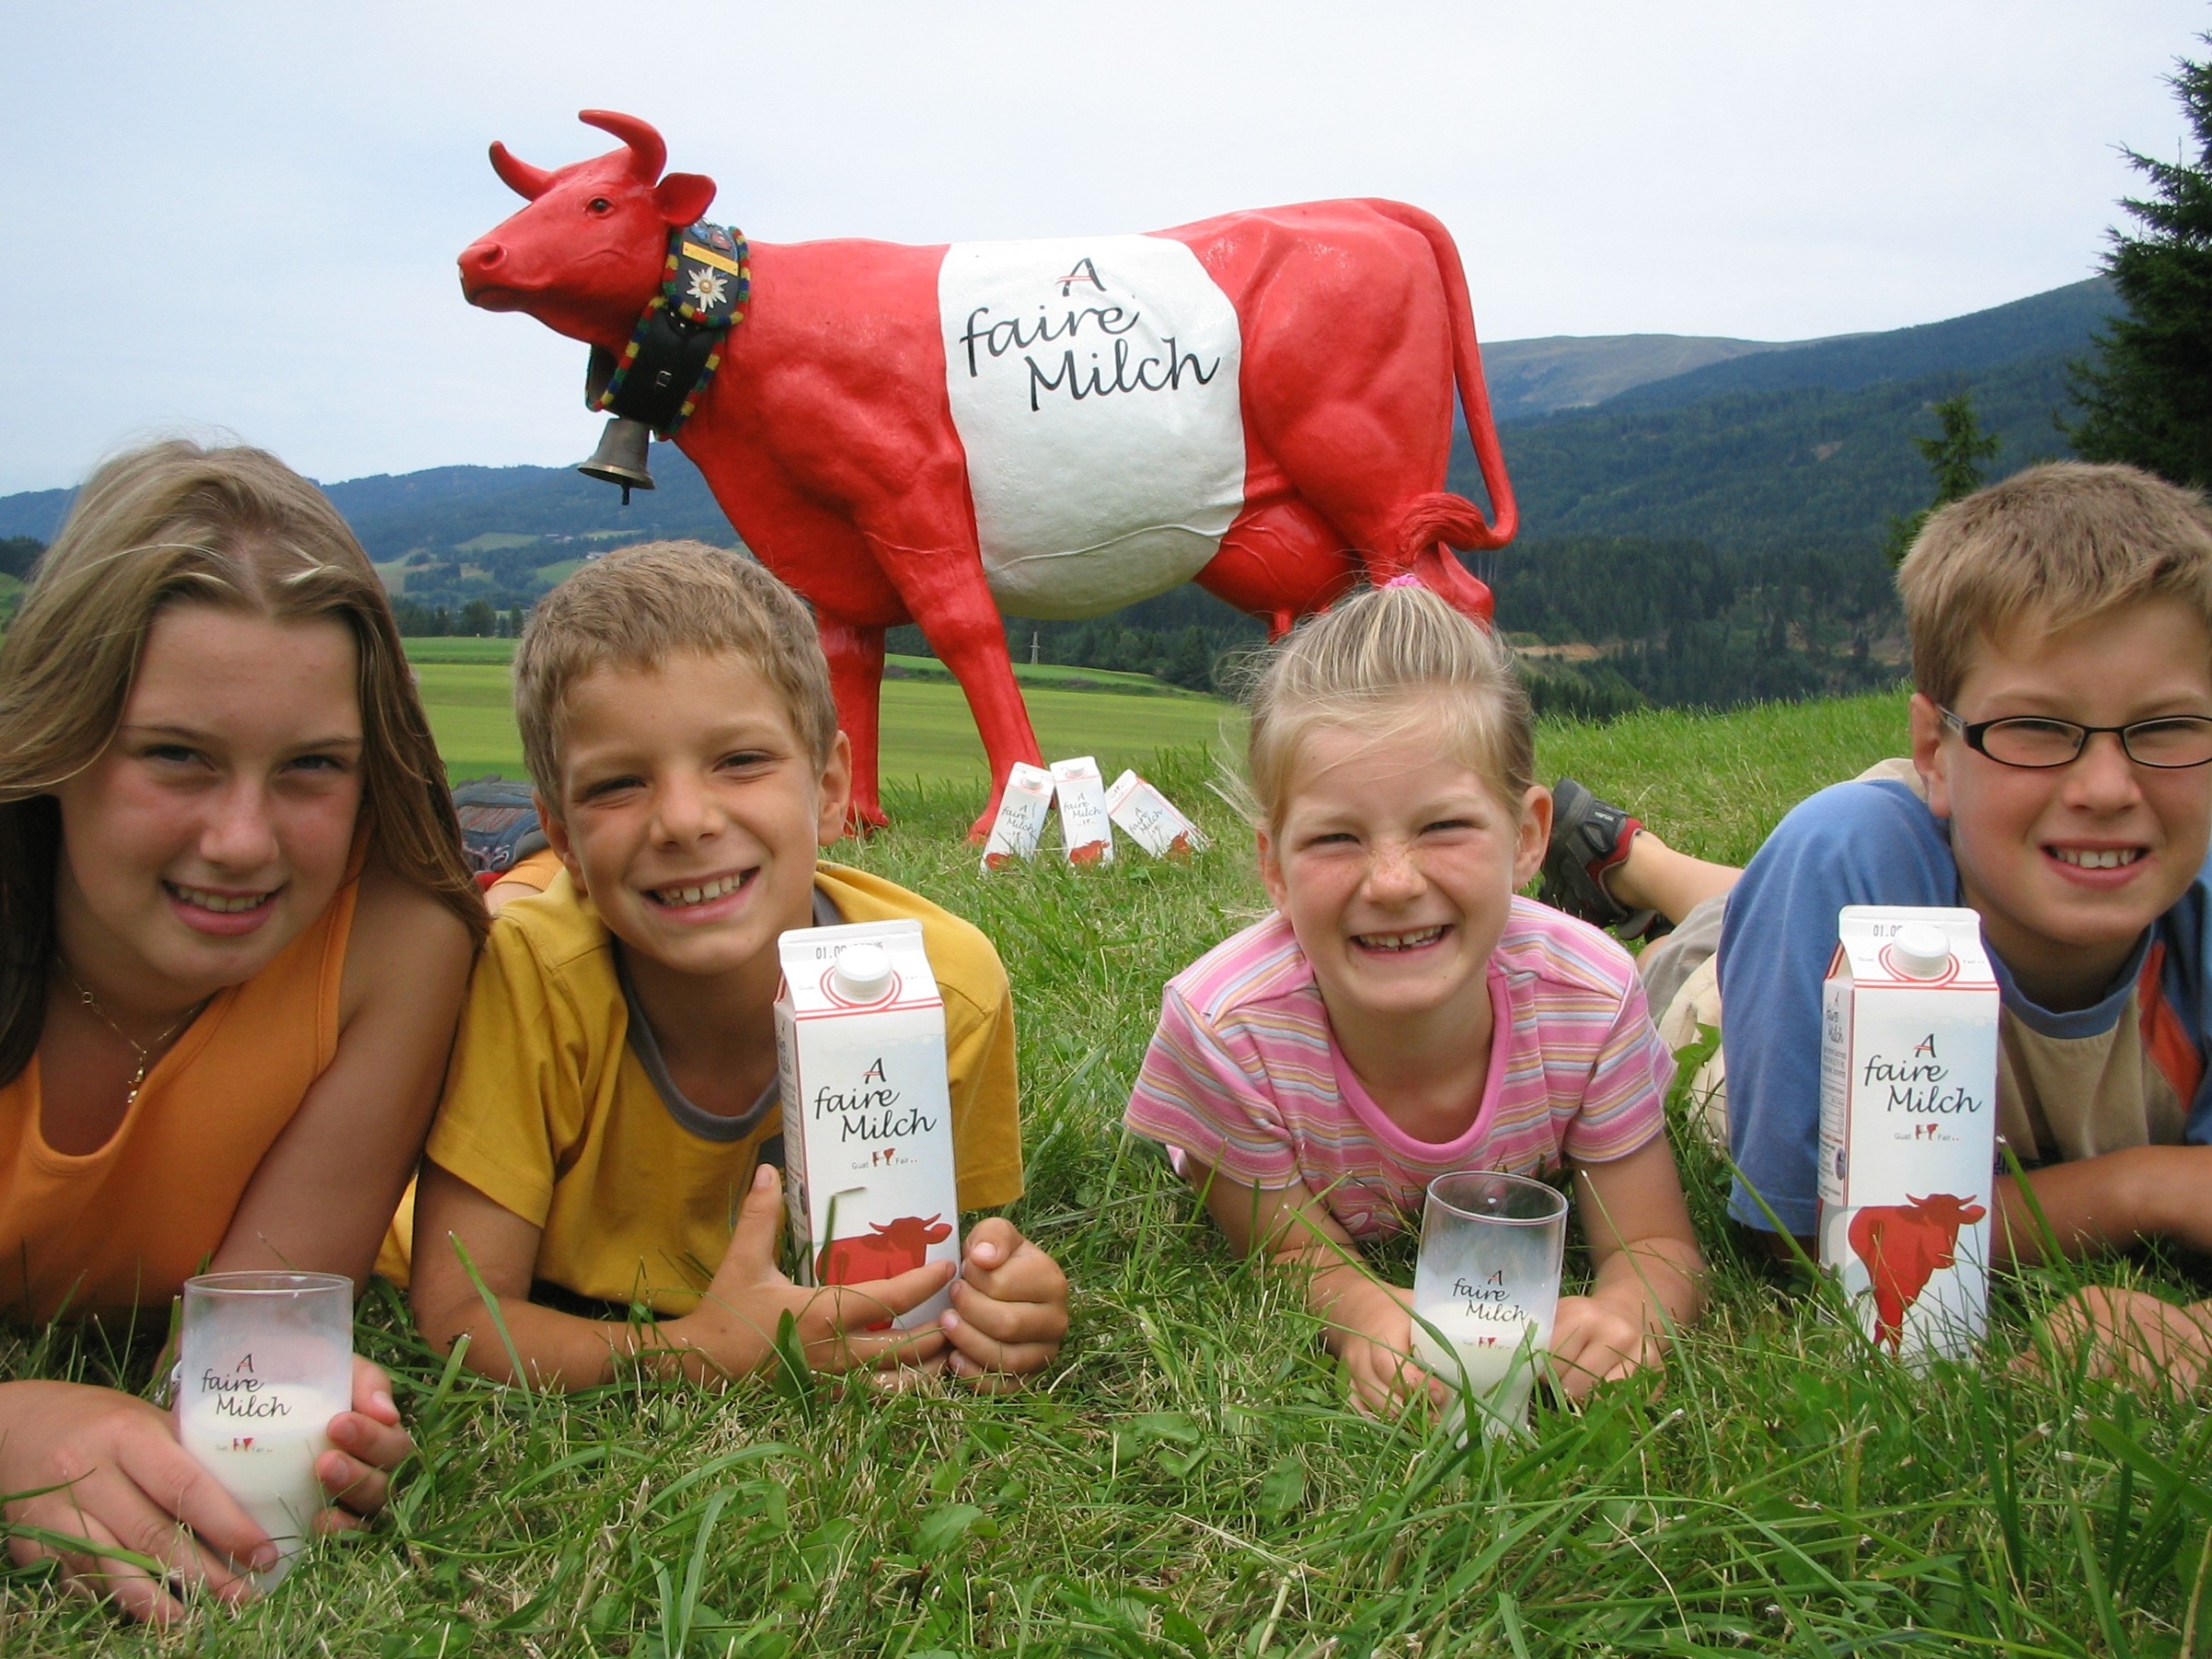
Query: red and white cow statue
1260	403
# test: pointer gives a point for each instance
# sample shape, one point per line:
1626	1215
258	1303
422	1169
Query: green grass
459	648
1053	673
928	734
1188	1480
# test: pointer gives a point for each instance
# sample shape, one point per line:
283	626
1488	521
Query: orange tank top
125	1225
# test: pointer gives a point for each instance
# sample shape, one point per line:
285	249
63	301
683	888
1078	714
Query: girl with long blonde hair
235	926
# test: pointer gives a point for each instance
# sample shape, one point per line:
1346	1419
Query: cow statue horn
525	181
648	154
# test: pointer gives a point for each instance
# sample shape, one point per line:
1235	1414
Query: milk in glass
1487	1280
1494	1347
269	1465
266	1361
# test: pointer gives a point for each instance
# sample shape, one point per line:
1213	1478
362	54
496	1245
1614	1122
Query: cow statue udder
850	436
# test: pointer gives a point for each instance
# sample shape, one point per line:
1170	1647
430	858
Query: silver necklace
148	1052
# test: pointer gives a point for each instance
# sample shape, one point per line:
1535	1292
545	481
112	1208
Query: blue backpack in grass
499	824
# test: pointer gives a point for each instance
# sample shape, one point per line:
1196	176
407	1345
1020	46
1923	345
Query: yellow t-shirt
552	1112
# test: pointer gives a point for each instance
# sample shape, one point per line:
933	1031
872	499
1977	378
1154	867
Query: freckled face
1395	866
2069	864
216	825
692	810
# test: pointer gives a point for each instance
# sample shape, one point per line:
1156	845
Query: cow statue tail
1426	528
1429	523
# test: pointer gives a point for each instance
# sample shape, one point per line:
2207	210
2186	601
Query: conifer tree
1954	457
2147	398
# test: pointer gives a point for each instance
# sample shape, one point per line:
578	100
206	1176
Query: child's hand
1600	1339
97	1480
368	1443
734	1327
2132	1333
1010	1309
1374	1336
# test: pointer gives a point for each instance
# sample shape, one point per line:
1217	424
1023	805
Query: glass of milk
1486	1287
267	1361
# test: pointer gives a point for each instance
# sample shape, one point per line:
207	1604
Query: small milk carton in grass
867	1117
1150	819
1086	833
1908	1125
1021	808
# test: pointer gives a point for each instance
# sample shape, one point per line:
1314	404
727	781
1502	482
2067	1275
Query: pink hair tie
1408	580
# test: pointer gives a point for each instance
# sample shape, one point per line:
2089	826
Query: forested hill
2060	321
443	508
1807	444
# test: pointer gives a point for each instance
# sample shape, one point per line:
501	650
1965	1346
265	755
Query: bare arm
2136	1334
1370	1324
325	1191
730	1335
1648	1277
2111	1201
324	1194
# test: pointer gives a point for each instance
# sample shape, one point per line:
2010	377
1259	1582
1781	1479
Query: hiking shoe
1588	838
499	824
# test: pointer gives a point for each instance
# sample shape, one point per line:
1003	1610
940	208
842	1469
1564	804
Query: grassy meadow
927	735
1189	1479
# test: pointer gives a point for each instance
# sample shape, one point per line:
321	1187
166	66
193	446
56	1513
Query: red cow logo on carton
886	1251
828	435
1905	1245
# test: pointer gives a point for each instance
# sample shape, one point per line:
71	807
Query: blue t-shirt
1878	843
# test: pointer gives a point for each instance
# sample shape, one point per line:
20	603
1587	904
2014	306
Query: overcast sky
245	216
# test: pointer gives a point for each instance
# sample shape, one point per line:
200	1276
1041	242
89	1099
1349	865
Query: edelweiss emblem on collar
708	288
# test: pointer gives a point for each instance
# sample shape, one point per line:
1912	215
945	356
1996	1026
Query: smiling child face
2068	864
692	809
216	824
1395	866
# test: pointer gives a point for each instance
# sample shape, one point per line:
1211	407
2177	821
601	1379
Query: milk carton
1020	820
868	1119
1086	831
1150	819
1908	1125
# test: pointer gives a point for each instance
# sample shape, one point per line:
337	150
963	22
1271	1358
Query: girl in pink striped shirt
1404	1014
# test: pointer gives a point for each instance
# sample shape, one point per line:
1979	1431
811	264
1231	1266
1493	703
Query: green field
1187	1479
927	733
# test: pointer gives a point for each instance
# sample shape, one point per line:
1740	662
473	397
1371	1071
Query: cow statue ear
684	197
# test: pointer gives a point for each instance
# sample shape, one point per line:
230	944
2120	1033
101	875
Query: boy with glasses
2061	785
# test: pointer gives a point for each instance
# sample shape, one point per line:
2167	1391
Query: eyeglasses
2036	741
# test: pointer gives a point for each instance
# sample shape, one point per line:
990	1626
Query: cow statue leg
855	654
947	596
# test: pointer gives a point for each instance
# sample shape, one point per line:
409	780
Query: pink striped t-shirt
1244	1075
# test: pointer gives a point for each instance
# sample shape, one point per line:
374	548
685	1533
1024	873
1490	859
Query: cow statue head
587	252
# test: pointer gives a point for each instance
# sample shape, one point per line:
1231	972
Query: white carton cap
863	972
1920	951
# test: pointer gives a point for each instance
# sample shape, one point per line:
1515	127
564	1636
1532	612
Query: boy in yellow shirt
612	1102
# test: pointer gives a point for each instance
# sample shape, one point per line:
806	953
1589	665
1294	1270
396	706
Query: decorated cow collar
678	343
